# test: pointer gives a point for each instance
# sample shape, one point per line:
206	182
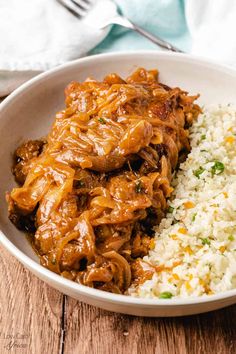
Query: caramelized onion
123	272
92	191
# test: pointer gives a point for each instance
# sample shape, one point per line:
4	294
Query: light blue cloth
165	18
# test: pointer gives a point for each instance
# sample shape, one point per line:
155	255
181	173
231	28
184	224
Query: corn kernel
174	237
188	286
182	230
152	244
225	194
175	276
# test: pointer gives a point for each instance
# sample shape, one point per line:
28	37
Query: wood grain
94	331
30	311
43	317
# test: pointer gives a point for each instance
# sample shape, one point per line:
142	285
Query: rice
197	239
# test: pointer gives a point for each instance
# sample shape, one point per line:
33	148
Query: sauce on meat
90	193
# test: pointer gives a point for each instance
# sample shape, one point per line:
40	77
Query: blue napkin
165	18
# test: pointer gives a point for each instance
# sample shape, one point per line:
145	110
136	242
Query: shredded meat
93	189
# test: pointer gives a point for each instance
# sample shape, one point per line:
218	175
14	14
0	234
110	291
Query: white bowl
29	112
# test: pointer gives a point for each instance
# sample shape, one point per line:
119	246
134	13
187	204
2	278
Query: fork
81	8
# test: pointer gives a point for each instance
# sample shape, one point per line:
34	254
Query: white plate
28	113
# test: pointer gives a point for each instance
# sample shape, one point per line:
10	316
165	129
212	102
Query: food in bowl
90	193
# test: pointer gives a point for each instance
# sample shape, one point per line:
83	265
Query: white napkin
36	35
212	26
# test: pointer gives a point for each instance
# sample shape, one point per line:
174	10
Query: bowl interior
29	112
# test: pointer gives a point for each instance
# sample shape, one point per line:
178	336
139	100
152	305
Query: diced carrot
210	292
161	267
230	139
189	205
222	249
188	250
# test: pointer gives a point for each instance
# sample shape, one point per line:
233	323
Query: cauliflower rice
197	239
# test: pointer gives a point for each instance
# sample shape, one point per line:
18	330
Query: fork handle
155	39
125	22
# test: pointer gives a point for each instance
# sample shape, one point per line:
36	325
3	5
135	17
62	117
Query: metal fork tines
78	8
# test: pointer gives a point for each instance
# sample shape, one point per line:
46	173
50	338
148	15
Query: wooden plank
94	331
214	332
30	311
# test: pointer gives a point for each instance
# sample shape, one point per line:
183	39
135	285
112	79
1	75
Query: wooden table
36	319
